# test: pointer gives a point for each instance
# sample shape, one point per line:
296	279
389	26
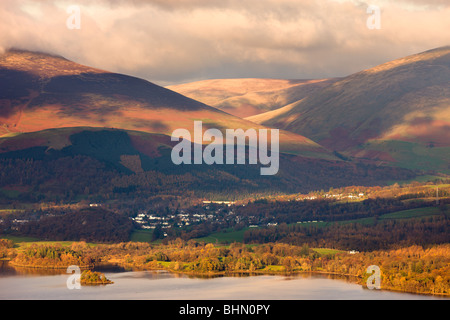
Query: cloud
177	41
427	2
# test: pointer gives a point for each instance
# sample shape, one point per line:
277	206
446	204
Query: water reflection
26	283
6	270
130	273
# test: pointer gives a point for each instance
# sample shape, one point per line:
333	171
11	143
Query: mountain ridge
334	95
42	91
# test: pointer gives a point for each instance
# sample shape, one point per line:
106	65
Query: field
411	155
224	237
25	242
413	213
228	236
406	214
18	240
141	236
324	251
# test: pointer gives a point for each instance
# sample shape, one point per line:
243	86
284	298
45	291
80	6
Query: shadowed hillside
99	164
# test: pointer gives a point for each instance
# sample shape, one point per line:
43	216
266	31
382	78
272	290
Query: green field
324	251
19	239
224	237
10	194
142	236
413	156
413	213
24	242
405	214
440	186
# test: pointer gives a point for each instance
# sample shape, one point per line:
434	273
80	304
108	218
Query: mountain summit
42	91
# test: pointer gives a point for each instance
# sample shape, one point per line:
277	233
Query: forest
90	224
40	174
378	235
362	225
52	257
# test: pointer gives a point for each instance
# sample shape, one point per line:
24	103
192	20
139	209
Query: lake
33	284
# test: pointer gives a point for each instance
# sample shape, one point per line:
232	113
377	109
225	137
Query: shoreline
229	274
11	263
297	273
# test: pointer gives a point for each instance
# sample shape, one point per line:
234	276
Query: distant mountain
40	91
249	97
398	113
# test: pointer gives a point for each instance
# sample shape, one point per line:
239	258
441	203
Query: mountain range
69	131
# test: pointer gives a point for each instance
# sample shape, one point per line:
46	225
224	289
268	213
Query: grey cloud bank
170	42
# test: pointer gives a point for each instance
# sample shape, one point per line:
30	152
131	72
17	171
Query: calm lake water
29	284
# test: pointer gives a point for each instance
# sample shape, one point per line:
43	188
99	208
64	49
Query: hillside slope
397	112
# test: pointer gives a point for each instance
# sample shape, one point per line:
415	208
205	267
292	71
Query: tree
158	233
289	264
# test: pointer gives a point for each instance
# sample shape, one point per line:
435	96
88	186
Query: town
226	214
217	212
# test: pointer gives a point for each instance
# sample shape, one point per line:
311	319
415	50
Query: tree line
381	234
326	210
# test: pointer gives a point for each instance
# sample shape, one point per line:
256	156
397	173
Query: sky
178	41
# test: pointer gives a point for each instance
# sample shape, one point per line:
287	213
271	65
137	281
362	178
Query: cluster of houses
15	223
151	221
339	196
209	212
314	221
228	203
